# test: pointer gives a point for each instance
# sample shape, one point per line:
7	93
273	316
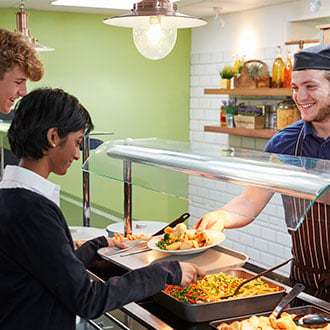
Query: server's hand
211	220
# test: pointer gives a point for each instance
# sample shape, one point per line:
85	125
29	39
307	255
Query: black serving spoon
256	276
310	320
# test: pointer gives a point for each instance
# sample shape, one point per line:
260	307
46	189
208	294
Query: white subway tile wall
266	240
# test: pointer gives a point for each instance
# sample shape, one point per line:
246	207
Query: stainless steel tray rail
169	163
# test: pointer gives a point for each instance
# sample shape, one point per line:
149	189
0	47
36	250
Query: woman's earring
54	145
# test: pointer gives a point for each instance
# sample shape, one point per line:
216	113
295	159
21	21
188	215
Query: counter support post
127	197
2	162
86	192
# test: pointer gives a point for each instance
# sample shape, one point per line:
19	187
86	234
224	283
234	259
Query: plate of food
180	240
133	239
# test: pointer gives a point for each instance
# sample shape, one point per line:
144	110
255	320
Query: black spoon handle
262	273
182	218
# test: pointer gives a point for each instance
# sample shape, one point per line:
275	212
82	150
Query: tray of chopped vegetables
203	301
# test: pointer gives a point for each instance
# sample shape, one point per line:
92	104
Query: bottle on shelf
288	70
273	117
278	70
238	64
223	122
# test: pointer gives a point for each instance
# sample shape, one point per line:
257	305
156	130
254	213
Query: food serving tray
303	310
204	312
213	260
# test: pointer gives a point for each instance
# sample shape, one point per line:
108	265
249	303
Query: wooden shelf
258	133
251	91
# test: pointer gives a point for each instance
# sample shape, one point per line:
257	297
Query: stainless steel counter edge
139	313
142	314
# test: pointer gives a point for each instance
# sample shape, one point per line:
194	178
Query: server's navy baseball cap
312	58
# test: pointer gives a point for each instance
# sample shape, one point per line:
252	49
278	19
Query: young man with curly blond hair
18	63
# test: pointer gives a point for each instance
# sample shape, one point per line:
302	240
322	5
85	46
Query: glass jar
230	120
287	113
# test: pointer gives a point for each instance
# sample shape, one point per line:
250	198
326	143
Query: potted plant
226	73
231	109
257	71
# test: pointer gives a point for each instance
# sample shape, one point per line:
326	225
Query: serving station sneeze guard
134	162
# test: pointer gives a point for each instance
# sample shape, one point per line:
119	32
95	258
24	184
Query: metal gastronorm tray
211	261
204	312
295	310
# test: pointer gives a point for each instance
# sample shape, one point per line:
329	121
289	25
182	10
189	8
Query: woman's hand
190	273
114	242
211	220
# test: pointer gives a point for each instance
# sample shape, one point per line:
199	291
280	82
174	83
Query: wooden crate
249	121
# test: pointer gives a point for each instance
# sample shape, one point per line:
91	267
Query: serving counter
148	314
166	167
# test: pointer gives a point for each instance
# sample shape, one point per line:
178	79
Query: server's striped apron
311	244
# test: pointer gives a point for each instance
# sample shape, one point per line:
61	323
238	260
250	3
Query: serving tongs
144	242
256	276
298	287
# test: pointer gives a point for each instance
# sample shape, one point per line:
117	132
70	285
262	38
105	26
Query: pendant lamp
22	27
155	25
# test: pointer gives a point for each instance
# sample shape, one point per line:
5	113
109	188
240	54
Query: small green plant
255	70
230	106
227	72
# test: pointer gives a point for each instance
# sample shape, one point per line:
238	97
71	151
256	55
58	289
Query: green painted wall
123	91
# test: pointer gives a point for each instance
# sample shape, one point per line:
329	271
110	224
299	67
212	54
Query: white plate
86	233
139	226
215	236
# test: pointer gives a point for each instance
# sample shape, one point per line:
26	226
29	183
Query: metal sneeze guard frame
4	126
299	177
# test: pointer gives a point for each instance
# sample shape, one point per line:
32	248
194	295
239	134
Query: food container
204	312
287	113
303	310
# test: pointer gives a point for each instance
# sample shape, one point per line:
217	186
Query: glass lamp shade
155	24
155	41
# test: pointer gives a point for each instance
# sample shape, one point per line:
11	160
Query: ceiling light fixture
315	5
155	24
22	27
219	22
111	4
